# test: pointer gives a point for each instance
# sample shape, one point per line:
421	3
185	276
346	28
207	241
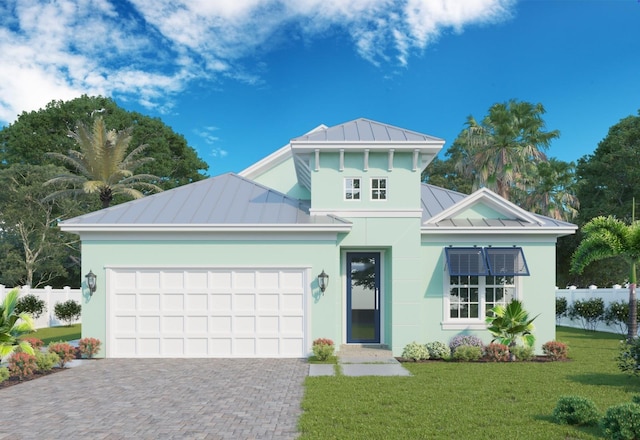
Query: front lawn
447	400
56	334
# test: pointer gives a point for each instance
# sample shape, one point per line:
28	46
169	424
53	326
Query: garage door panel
206	313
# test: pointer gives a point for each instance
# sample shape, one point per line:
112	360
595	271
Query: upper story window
352	188
379	189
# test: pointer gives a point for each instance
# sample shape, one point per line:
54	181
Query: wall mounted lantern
91	281
323	281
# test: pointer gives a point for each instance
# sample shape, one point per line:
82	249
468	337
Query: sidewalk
359	360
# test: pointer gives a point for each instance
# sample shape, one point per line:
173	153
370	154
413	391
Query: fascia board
493	200
272	160
207	228
432	147
452	230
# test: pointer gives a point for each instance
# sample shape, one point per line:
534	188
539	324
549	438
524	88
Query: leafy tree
13	325
609	179
102	167
68	311
33	250
497	151
606	237
443	173
35	133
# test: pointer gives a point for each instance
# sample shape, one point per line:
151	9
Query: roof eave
207	228
557	231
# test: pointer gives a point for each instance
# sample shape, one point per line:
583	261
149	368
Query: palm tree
13	325
499	149
606	237
511	323
101	165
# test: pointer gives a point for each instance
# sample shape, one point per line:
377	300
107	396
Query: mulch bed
427	361
13	380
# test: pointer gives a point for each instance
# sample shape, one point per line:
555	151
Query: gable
481	211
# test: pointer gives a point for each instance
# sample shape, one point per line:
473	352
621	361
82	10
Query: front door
363	297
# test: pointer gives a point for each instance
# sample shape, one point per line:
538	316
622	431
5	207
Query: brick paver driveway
159	399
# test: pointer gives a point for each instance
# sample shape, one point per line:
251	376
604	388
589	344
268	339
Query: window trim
352	190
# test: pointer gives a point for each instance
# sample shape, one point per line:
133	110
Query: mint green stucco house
228	266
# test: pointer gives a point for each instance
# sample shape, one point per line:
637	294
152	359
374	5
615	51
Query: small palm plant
13	325
511	323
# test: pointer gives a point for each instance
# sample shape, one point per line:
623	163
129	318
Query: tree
606	237
33	250
102	167
497	151
13	325
35	133
511	323
443	173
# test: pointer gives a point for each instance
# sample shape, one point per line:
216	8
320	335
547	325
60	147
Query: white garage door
206	312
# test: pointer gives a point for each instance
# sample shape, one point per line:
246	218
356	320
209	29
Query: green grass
55	334
449	400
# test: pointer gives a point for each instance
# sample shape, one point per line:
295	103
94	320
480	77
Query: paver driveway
159	399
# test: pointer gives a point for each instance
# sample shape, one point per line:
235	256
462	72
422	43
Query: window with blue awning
480	261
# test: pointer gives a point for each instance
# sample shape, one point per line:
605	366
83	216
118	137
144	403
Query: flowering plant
35	343
323	348
64	351
89	347
22	364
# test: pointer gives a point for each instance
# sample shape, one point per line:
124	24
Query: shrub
467	340
522	352
35	343
322	348
46	361
68	311
467	353
415	351
622	422
576	410
561	308
32	305
89	347
556	350
588	311
64	351
4	374
438	350
617	315
22	364
629	356
497	352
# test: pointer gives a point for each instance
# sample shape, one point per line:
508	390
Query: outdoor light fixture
91	281
323	281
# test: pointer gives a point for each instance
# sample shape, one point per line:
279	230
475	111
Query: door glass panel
363	298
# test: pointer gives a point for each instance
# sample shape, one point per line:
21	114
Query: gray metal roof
221	200
434	200
365	130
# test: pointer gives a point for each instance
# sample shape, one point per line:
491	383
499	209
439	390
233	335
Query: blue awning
466	261
477	261
506	261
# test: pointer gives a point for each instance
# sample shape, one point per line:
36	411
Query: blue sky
239	78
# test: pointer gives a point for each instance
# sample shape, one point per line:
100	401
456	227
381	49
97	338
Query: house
229	266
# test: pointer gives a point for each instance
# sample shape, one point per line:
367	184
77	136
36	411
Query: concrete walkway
159	399
361	360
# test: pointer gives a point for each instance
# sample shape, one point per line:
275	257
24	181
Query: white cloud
149	50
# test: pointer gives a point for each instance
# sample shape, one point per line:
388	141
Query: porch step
374	351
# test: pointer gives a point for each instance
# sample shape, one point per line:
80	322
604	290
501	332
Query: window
478	279
352	188
471	297
379	189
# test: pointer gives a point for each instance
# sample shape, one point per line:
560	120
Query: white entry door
231	312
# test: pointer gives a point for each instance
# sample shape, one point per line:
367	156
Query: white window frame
348	188
478	323
377	189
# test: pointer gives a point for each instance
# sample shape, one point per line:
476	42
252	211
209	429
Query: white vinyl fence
51	297
608	295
